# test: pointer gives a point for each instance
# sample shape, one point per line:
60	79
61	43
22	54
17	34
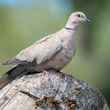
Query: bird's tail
15	72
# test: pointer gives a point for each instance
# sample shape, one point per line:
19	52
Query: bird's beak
88	20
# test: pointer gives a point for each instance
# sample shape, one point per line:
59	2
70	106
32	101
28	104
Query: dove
51	52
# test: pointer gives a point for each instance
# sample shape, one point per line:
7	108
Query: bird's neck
67	34
71	26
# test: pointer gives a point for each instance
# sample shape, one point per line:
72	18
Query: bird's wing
40	51
14	61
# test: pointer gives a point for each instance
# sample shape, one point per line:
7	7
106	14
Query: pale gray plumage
53	51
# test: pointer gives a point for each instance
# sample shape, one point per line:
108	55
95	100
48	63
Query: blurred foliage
96	43
23	24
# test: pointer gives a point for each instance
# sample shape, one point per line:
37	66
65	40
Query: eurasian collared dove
52	52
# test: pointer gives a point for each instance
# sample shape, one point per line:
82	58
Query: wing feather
40	51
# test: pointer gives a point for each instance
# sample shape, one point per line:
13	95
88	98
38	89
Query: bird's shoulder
34	45
45	45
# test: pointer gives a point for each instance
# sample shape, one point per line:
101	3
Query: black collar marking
69	28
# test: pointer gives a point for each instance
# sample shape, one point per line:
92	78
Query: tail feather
19	70
12	74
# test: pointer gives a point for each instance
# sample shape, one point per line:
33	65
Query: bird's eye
78	15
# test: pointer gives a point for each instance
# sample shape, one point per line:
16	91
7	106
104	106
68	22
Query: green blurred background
22	22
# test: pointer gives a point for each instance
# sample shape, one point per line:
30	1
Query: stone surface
50	91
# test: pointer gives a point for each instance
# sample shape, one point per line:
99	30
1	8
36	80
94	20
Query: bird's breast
60	59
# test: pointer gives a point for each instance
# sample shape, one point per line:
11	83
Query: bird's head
78	17
75	19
